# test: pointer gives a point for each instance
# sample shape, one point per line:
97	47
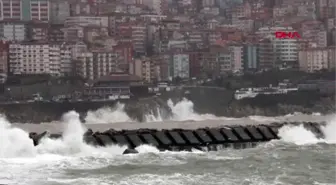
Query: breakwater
206	139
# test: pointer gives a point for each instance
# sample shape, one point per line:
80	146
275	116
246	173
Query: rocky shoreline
219	103
38	112
223	103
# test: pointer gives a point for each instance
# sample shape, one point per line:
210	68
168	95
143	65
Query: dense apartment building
11	10
315	33
315	59
266	54
39	58
13	31
237	58
180	66
136	34
35	10
326	8
146	68
189	38
25	10
95	64
224	60
250	57
38	31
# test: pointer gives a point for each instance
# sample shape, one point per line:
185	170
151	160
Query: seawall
37	112
222	102
218	102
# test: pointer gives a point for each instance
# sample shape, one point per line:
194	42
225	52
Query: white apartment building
13	31
237	58
224	60
180	66
39	58
286	50
101	21
313	59
95	64
139	37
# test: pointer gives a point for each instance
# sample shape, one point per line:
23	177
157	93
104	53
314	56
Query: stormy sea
298	158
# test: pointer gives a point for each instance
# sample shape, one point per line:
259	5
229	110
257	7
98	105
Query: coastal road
58	127
201	87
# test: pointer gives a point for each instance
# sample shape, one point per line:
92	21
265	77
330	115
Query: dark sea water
271	163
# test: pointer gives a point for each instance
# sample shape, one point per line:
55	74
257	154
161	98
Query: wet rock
37	137
130	151
89	132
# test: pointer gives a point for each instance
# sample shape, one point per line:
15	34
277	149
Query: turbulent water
181	111
298	158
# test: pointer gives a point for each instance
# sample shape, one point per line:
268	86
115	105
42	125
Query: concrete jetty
206	139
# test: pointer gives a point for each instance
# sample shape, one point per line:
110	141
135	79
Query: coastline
220	104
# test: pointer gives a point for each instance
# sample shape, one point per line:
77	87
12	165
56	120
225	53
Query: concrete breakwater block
236	136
